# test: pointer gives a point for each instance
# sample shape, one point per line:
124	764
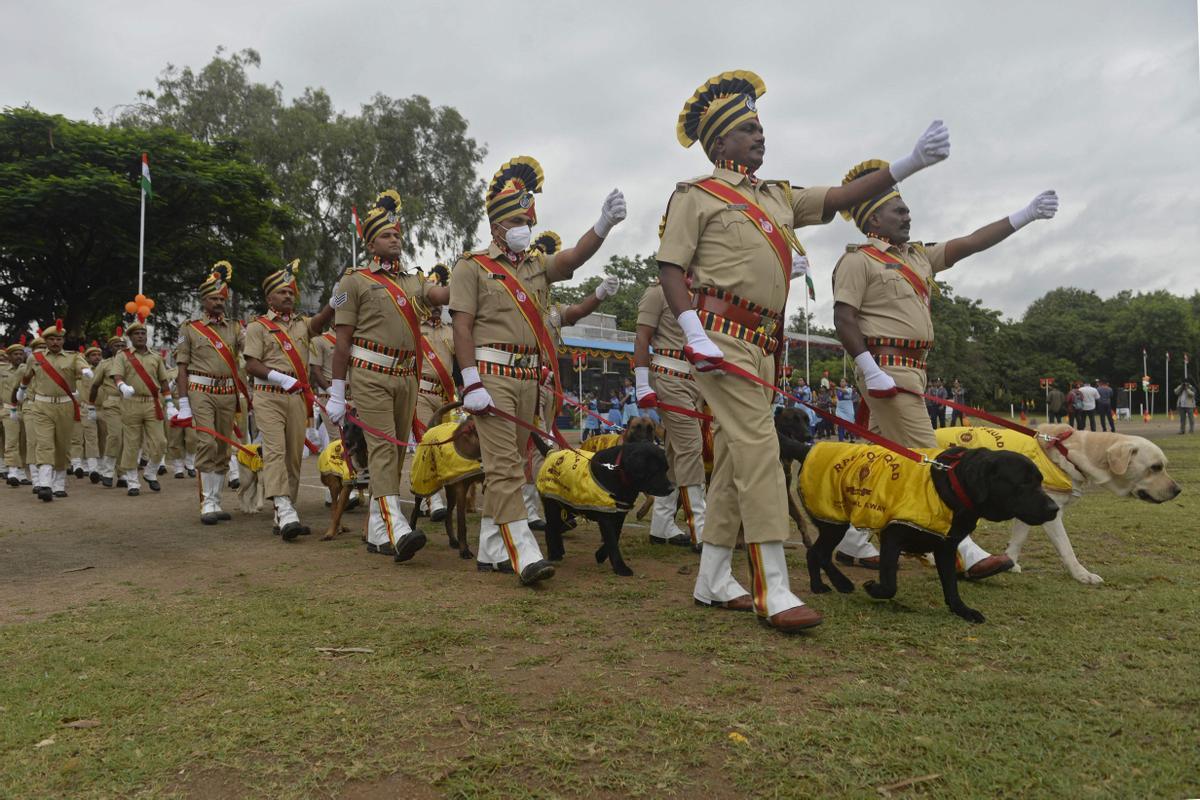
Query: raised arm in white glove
611	213
336	407
285	382
799	265
87	373
700	351
1044	206
126	390
608	287
646	396
932	147
879	383
475	398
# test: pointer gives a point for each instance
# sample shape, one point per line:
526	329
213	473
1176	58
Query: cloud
1098	100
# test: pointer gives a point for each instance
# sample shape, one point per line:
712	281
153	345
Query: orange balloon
143	311
139	299
131	307
149	304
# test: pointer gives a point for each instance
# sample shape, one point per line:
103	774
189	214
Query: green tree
69	220
635	273
323	161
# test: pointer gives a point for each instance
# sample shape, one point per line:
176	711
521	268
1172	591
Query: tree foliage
69	213
635	274
325	161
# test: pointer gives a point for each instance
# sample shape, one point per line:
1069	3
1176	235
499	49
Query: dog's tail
541	444
436	417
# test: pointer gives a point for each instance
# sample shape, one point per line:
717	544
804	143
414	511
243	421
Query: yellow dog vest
566	476
599	442
1054	479
437	463
331	461
871	487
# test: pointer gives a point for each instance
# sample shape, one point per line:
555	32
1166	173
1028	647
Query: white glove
336	407
14	415
646	396
126	390
172	411
20	394
1044	206
91	413
608	287
87	373
879	383
700	351
185	408
285	382
477	399
799	265
932	147
611	213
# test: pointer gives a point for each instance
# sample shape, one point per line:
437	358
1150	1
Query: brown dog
464	440
342	472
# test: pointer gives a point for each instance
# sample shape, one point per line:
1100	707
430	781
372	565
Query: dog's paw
820	588
1087	578
877	591
969	614
1015	567
623	571
845	585
452	542
465	554
328	536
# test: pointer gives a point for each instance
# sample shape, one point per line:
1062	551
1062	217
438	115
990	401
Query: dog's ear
975	470
1119	455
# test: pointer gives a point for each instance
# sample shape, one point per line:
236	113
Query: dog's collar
951	460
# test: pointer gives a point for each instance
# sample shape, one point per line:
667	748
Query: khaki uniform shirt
654	312
260	343
199	354
370	310
7	371
320	356
498	320
84	387
106	392
888	305
69	365
724	249
441	339
151	361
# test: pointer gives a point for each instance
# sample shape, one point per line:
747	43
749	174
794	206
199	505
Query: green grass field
599	686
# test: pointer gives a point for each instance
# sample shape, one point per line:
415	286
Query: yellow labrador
1127	466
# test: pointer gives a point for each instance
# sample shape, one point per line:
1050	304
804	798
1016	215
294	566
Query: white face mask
518	238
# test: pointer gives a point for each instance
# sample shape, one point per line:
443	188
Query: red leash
222	437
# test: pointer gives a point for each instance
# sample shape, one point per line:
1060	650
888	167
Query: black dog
998	486
791	428
623	471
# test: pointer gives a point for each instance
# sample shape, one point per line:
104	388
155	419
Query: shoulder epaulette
350	271
924	245
853	248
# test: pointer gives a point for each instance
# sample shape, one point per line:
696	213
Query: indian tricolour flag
146	177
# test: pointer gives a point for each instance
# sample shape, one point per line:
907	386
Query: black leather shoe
537	571
26	482
60	493
440	514
191	473
224	516
679	540
305	530
408	546
384	549
504	567
134	492
162	469
44	494
122	483
208	519
179	476
94	477
13	480
78	472
537	525
154	485
290	531
235	484
106	482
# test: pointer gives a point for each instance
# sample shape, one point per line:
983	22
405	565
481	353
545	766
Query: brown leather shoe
793	620
871	562
743	603
992	565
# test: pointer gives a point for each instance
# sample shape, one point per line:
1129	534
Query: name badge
737	206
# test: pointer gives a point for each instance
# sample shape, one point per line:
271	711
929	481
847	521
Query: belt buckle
768	326
520	359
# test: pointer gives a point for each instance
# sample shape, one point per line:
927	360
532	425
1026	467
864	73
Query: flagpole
1166	383
807	379
142	235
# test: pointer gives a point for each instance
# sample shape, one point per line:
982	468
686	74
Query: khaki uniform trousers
52	424
141	430
902	418
503	445
747	483
685	441
385	402
180	441
281	419
85	437
215	411
426	405
15	445
114	430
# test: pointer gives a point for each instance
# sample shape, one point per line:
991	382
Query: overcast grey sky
1098	99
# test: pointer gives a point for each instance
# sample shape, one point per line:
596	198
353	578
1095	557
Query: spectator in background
590	425
1055	403
614	416
826	384
823	430
1087	405
804	392
1104	404
845	408
1185	402
1074	404
959	395
937	412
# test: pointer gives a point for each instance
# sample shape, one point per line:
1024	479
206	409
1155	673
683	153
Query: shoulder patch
683	186
853	248
924	245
